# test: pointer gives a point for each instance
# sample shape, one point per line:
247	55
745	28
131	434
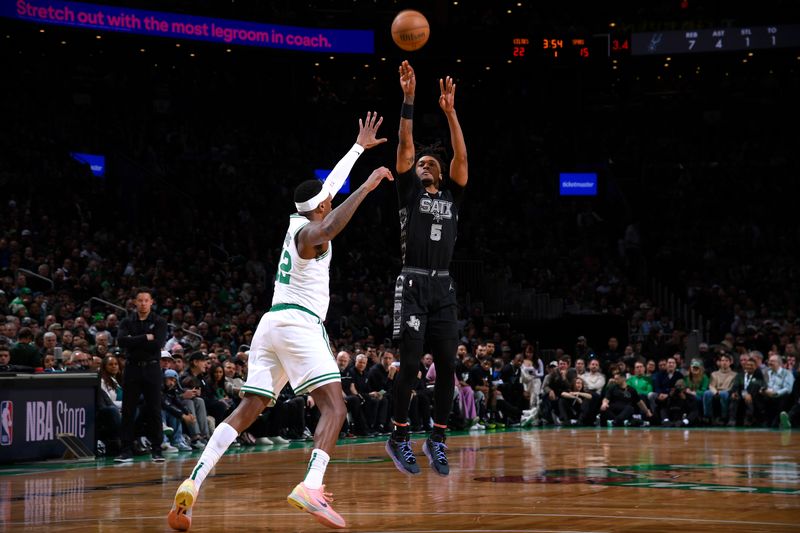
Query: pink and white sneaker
317	503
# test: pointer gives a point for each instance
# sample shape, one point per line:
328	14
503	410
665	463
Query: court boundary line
379	514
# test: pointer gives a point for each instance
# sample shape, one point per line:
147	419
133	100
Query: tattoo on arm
339	217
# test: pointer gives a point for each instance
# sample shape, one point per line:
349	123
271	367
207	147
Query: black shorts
425	305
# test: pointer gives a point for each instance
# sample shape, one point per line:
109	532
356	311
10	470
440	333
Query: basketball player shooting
290	343
425	299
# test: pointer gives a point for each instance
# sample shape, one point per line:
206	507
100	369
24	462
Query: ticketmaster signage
178	26
577	184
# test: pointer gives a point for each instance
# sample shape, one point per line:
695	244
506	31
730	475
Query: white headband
313	203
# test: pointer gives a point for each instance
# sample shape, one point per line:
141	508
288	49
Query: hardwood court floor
582	480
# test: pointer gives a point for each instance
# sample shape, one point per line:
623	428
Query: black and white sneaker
157	457
125	456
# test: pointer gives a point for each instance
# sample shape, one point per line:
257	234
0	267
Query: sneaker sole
178	518
397	462
297	501
431	462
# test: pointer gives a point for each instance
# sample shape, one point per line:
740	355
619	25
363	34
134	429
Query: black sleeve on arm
125	339
160	333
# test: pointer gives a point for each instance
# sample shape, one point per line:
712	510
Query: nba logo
6	423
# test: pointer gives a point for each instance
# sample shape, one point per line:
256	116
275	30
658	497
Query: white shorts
289	345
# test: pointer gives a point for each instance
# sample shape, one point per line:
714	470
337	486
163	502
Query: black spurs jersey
428	222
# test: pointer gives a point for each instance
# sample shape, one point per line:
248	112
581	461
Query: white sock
316	469
219	442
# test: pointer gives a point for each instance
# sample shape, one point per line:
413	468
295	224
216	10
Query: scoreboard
716	40
562	48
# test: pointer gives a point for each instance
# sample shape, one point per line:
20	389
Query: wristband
407	111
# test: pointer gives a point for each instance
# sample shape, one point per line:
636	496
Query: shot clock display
588	47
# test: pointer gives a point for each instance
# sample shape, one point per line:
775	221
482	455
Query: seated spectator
719	388
290	417
571	404
641	383
50	364
233	381
108	418
554	384
681	409
663	386
532	389
479	380
24	353
538	365
5	361
512	388
621	402
464	409
375	404
217	391
167	361
380	380
174	414
594	382
191	386
196	377
746	390
355	423
580	366
696	384
79	362
777	390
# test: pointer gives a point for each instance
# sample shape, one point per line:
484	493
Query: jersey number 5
284	267
436	232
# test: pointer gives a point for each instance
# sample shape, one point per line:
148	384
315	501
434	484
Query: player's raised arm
458	166
366	139
321	231
405	145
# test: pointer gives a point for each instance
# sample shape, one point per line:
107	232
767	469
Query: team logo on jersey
440	209
413	323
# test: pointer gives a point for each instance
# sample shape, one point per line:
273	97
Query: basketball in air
410	30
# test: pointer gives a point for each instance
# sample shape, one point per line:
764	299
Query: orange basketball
410	30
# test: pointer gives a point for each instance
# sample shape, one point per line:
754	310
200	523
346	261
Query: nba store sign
45	420
34	412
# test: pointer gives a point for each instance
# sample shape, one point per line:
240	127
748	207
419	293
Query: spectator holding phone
193	380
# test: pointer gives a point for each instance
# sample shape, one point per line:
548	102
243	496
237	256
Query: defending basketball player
425	299
290	343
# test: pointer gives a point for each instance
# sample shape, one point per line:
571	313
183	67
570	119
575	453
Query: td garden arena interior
623	286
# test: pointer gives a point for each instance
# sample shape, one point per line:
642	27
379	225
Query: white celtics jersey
303	282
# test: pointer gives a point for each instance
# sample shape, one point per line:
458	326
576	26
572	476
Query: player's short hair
307	190
431	152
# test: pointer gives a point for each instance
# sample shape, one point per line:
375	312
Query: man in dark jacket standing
142	335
